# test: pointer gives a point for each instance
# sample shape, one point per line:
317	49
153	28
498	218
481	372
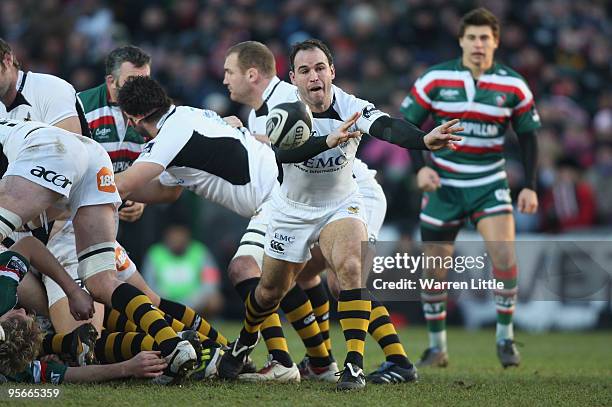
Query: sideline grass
558	368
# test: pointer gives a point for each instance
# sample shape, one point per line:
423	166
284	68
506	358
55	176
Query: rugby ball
289	125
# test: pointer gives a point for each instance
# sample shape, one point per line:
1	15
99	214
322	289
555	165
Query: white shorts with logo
295	227
375	203
75	167
62	246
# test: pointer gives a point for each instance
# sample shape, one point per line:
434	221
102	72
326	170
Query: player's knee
269	296
242	268
97	268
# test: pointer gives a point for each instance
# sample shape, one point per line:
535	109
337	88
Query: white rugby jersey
41	97
278	92
13	134
328	177
204	154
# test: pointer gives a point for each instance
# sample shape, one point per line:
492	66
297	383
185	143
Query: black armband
398	132
528	144
312	147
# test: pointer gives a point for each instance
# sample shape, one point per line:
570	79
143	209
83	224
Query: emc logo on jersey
51	176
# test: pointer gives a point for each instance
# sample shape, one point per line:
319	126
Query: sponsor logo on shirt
449	93
53	177
101	132
353	209
106	180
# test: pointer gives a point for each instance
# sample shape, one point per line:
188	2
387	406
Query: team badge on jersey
500	99
353	209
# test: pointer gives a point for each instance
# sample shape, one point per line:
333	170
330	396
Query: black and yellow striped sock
192	320
354	307
62	343
271	329
298	310
139	309
382	330
320	306
276	343
115	321
114	347
254	316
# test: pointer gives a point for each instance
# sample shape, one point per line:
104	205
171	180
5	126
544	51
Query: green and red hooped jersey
485	107
109	128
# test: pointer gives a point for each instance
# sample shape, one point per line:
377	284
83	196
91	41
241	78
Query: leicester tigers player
470	182
250	75
321	203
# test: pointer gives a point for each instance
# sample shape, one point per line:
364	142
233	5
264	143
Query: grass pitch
558	368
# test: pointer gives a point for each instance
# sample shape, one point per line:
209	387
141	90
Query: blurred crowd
561	47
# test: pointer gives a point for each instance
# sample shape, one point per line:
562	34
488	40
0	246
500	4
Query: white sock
504	332
438	340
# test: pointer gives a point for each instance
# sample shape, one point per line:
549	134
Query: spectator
184	270
570	203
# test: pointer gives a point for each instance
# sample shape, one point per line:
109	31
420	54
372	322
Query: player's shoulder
504	70
445	67
50	83
94	97
285	92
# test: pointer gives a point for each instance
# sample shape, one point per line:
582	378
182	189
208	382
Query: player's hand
428	180
81	304
131	211
146	364
527	201
233	121
443	137
342	133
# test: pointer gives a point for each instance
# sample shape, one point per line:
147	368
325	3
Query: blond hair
22	344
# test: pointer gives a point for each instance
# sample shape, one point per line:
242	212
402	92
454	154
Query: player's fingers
350	121
449	124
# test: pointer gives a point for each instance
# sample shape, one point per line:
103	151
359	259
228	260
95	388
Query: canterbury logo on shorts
106	180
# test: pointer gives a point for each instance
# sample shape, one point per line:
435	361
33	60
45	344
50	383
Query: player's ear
332	68
292	77
252	74
109	80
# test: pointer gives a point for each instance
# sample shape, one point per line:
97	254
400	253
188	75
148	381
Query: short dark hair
253	54
128	53
308	45
141	95
5	48
479	17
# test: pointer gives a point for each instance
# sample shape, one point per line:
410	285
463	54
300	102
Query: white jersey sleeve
57	102
352	104
167	144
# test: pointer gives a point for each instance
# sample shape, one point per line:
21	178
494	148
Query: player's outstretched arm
81	304
407	135
156	192
136	177
316	145
147	364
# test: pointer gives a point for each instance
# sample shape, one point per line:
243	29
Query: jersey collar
163	119
266	95
19	98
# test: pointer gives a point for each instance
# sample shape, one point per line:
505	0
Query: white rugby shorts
295	227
